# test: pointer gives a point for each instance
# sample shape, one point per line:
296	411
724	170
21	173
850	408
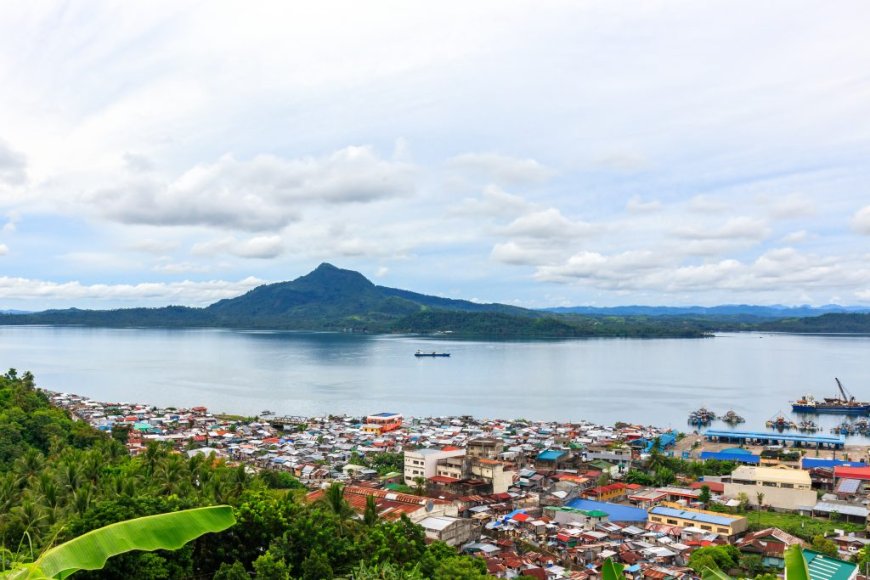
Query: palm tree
370	516
333	499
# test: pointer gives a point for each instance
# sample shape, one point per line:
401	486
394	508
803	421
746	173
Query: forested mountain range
334	299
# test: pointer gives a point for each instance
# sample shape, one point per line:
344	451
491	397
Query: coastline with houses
534	498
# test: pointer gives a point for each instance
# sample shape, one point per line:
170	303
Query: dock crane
843	391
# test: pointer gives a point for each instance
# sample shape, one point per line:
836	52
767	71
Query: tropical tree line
60	479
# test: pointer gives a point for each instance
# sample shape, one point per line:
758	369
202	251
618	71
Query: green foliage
60	482
824	545
316	567
795	564
714	557
704	496
803	527
267	567
234	571
611	570
160	532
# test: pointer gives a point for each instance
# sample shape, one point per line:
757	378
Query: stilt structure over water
768	438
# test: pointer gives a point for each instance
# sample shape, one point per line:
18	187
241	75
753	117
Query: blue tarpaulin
616	512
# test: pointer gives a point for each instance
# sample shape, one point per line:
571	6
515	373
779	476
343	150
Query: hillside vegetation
61	478
333	299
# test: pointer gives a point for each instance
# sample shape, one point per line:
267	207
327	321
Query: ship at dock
845	404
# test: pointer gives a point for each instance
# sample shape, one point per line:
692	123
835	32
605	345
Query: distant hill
854	323
735	311
334	299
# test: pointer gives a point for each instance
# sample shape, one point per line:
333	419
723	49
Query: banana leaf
714	573
161	532
611	571
796	565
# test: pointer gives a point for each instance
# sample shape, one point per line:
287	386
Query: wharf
768	438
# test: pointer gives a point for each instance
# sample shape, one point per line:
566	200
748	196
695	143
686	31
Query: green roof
587	513
826	568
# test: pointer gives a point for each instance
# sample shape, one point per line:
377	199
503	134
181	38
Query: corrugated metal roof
693	516
848	486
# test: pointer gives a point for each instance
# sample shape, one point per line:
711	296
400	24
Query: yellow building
673	514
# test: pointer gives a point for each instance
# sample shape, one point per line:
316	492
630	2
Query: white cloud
493	202
186	292
13	165
262	247
861	221
795	237
649	271
637	205
548	224
521	254
265	193
502	169
740	228
792	206
707	204
4	249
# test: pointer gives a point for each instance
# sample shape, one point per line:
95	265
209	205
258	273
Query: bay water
648	381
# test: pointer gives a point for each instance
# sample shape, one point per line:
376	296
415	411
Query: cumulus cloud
4	249
265	193
186	292
548	224
746	228
12	165
645	271
521	254
502	169
861	221
262	247
493	202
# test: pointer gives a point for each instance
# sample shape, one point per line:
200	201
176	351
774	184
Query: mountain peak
329	276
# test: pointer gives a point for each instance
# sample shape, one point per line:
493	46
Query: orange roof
391	505
451	448
862	473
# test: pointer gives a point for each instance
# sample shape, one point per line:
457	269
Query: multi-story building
677	515
485	447
424	462
778	487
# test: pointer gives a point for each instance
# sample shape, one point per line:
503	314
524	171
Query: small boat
702	416
433	353
265	412
732	418
808	426
780	423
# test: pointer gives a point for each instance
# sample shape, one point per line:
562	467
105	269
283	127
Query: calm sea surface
604	380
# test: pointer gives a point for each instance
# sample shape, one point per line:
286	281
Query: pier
768	438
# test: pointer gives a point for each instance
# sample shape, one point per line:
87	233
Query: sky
533	153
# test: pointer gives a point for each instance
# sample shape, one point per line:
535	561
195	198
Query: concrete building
783	487
424	462
452	531
677	515
485	447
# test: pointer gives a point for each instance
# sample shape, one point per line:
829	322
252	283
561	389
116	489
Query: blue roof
813	462
730	456
550	455
694	516
383	415
617	512
770	436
